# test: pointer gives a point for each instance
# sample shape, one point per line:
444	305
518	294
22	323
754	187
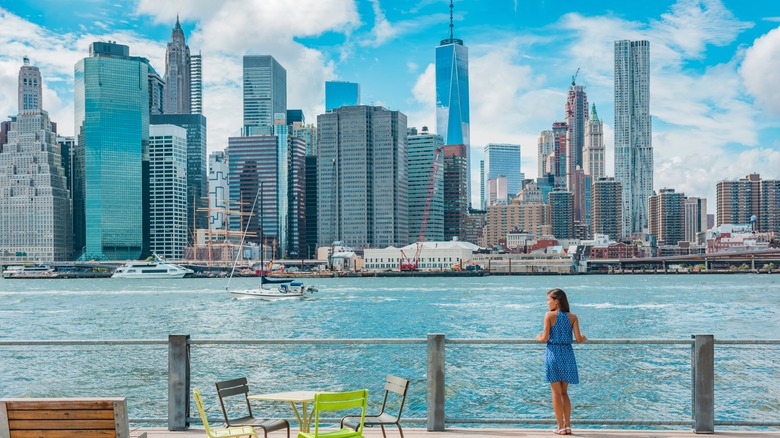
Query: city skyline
714	114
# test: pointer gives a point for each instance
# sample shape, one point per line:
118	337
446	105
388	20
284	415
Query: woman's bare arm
579	337
545	334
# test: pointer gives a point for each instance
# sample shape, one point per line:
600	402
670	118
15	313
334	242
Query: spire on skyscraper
594	117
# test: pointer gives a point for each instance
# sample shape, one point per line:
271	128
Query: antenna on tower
574	78
451	25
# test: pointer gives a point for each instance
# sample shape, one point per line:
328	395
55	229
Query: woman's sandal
559	431
567	430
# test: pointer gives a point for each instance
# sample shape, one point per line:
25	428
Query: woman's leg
557	388
566	404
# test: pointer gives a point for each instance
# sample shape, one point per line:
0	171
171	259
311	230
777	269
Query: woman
559	325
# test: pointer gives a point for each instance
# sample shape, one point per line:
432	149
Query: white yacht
287	289
29	271
158	268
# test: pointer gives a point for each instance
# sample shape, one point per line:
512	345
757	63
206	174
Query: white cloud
227	30
759	71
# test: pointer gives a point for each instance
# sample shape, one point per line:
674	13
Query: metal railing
647	382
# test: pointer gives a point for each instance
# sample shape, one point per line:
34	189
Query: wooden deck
475	433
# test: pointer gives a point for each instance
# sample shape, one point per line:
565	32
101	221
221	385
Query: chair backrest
339	401
199	403
229	388
398	386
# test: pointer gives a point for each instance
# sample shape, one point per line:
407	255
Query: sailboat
276	289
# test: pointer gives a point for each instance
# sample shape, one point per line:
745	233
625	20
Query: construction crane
574	78
412	265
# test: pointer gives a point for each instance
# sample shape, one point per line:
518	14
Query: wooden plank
63	434
61	414
61	424
4	432
62	403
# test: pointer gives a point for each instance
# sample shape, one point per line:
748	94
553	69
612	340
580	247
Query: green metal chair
226	432
395	385
338	401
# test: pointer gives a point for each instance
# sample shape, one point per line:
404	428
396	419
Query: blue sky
714	97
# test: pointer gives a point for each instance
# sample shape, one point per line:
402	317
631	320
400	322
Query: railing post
703	384
435	382
178	381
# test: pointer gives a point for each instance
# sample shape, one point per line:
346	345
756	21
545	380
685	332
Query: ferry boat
158	268
29	271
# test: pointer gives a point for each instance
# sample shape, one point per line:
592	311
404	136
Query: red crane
412	265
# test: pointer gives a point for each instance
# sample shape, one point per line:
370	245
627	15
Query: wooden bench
64	418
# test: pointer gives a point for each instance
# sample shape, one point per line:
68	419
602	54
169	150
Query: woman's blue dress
559	360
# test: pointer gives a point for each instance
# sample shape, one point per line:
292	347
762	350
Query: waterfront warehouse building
423	184
362	181
341	93
434	256
111	102
168	233
35	208
633	132
607	208
502	160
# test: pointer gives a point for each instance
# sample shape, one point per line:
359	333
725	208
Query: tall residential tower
633	132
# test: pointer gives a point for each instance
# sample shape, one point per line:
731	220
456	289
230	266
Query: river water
492	381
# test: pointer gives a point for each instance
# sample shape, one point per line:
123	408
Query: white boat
269	289
29	271
287	290
158	268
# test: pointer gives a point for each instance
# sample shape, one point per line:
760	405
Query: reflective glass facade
340	93
504	160
422	150
112	124
265	91
452	92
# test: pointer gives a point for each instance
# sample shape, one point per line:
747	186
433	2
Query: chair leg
401	431
383	430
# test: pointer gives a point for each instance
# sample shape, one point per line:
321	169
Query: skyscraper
177	73
562	213
576	119
341	93
422	184
545	152
35	209
112	123
218	191
265	93
456	201
197	179
196	84
452	94
633	131
607	208
666	216
593	153
695	218
362	181
167	190
560	167
504	160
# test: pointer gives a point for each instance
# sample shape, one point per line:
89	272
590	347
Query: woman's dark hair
560	296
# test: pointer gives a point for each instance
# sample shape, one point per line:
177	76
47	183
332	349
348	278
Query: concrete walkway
474	433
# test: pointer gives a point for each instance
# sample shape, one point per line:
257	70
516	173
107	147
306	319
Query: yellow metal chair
338	401
226	432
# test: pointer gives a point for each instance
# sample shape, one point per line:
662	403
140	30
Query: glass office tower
265	93
452	96
503	160
112	123
340	93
